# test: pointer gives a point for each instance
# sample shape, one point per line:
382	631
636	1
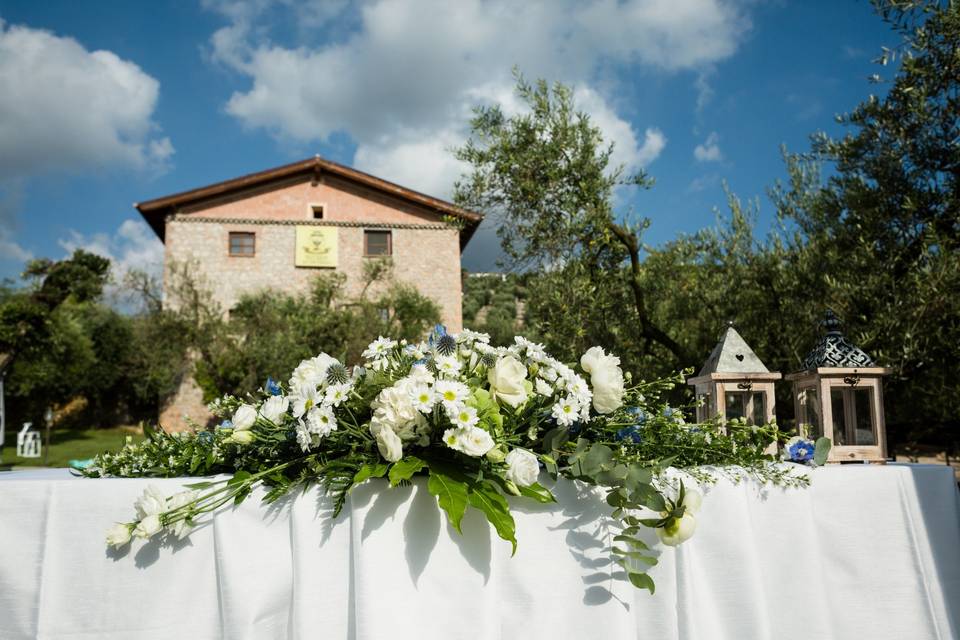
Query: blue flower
272	387
630	434
438	332
226	424
205	436
638	414
800	450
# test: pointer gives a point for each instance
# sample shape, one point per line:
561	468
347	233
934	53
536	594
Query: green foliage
269	333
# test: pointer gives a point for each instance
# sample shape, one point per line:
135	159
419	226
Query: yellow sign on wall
316	246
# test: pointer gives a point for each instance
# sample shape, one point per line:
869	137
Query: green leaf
239	477
537	492
199	485
641	581
821	451
555	439
405	469
451	496
485	497
368	471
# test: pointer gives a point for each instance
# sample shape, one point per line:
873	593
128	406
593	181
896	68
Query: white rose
473	441
148	527
152	502
312	372
606	377
506	379
274	408
244	417
388	442
522	467
679	531
118	535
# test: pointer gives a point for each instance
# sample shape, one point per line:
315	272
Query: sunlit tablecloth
866	552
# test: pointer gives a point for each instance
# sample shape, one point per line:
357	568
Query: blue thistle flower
446	345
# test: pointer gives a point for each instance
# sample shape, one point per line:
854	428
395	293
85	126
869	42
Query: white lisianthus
506	378
523	468
473	441
681	530
692	500
151	502
274	408
388	442
606	377
148	527
244	417
241	437
118	535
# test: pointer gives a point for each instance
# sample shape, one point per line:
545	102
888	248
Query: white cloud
709	151
402	85
63	107
133	246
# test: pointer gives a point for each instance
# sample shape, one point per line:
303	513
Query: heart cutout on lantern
740	357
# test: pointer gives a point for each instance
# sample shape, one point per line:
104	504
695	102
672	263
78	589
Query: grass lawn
68	444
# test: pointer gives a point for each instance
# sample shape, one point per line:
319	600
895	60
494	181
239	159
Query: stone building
278	228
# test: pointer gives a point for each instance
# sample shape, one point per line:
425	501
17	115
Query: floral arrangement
480	422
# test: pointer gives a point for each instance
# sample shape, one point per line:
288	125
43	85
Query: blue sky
103	104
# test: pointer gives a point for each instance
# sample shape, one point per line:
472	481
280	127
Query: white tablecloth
866	552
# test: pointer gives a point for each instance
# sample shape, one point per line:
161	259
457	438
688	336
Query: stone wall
426	252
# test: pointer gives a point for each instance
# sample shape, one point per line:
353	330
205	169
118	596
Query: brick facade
425	249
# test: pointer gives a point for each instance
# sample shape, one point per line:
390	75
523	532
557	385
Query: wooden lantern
838	394
734	383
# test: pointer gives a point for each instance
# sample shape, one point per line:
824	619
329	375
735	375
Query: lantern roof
834	350
732	355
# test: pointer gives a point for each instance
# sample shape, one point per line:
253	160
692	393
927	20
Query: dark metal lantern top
834	350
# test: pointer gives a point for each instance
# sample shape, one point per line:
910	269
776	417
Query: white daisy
379	348
305	398
448	366
321	421
451	393
337	393
566	412
422	397
465	417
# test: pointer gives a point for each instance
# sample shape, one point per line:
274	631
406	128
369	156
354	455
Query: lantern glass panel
863	398
838	409
736	405
703	408
759	413
810	406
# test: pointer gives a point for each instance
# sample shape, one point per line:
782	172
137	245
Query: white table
866	552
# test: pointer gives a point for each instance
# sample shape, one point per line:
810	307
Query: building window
317	210
242	244
377	243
